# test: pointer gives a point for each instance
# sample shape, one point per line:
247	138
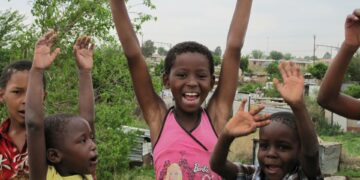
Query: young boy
288	146
329	95
61	146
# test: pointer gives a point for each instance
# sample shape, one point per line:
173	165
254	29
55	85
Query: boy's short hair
8	71
55	126
286	118
184	47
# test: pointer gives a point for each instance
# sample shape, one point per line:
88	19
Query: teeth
191	94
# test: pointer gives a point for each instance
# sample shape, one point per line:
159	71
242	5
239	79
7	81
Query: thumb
276	83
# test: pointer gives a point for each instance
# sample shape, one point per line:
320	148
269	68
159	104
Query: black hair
55	126
8	71
286	118
184	47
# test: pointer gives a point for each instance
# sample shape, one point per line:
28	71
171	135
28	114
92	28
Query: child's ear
166	81
54	155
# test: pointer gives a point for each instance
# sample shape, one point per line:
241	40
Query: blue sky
284	25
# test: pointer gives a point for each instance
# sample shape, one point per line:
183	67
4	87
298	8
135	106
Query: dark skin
34	116
152	106
329	95
244	123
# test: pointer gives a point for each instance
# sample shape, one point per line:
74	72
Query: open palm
42	54
292	87
244	123
83	51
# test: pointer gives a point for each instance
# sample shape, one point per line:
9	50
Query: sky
288	26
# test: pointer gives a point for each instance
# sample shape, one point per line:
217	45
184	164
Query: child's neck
187	120
17	133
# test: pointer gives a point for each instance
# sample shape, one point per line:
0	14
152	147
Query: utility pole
314	49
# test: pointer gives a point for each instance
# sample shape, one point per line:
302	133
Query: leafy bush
353	90
249	87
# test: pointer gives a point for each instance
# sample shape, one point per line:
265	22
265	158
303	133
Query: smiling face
78	148
278	150
13	96
190	80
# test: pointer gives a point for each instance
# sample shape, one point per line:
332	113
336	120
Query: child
288	146
13	150
61	146
184	136
329	95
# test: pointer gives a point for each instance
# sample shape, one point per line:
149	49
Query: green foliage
11	22
257	54
276	55
271	92
244	63
287	56
159	68
148	48
321	125
273	71
249	88
162	51
318	70
353	90
352	73
217	60
217	51
327	55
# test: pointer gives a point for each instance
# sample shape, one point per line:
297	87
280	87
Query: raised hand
244	123
42	55
352	29
293	86
83	51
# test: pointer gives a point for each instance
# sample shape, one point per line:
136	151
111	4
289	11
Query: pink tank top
179	154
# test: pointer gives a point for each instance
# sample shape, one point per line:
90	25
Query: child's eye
263	146
282	147
16	91
181	75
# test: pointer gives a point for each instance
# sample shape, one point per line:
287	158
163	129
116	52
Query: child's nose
191	81
272	152
93	145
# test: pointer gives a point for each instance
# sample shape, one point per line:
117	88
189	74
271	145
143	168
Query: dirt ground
241	150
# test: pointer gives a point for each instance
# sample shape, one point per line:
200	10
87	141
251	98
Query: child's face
79	149
278	150
14	94
189	80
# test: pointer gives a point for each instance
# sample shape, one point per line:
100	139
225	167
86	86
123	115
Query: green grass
139	173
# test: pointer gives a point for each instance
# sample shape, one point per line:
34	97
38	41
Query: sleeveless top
179	154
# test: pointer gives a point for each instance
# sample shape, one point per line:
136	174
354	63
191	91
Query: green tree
218	51
276	55
272	70
288	56
257	54
327	55
162	51
244	63
353	90
11	23
217	60
318	70
352	73
148	48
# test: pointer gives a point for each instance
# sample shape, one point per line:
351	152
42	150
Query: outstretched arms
220	105
153	108
292	91
83	51
34	110
242	124
329	95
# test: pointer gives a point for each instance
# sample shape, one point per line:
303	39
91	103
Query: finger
49	34
242	104
262	117
54	54
262	123
92	47
351	19
82	42
87	42
257	110
297	71
282	70
51	39
356	13
291	68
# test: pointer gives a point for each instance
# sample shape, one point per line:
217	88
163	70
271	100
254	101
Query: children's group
189	141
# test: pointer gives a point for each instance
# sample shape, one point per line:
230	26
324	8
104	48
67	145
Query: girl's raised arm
220	105
329	95
152	106
34	110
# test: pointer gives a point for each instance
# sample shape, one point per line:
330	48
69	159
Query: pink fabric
179	156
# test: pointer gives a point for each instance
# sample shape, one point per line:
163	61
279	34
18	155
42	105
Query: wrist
85	71
37	70
350	47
